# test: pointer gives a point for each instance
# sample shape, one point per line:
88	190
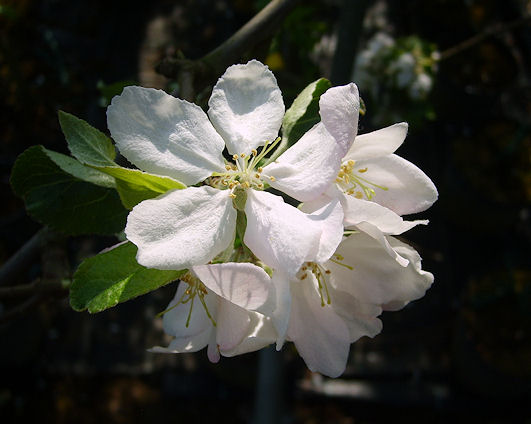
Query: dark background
462	353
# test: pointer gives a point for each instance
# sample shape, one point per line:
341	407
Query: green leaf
60	192
115	276
134	185
94	149
76	169
304	112
87	144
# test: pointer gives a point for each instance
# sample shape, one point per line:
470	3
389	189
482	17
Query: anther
260	169
254	152
358	195
232	196
228	167
235	157
242	155
272	178
362	170
257	175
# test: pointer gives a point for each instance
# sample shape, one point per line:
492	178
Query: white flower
334	303
421	86
168	136
376	186
404	66
217	306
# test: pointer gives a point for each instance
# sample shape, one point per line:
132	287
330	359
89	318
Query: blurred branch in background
348	35
188	72
54	279
24	256
491	31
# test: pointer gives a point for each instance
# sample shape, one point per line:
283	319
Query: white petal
165	135
279	234
339	108
243	284
261	333
330	219
197	334
361	318
306	169
379	236
375	277
321	337
232	325
182	228
388	222
409	189
246	107
378	143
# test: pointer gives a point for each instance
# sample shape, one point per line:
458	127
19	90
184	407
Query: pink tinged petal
182	228
376	277
165	135
281	315
339	108
359	210
361	318
246	107
232	325
279	234
409	189
243	284
261	333
378	143
306	169
213	353
320	335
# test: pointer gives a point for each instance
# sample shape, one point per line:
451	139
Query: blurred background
457	70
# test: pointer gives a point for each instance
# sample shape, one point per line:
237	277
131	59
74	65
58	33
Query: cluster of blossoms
259	270
409	64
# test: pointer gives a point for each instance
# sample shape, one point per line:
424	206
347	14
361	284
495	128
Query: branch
214	63
257	29
24	256
487	33
20	309
348	35
35	287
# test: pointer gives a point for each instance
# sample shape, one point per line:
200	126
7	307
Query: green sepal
93	148
114	276
62	193
134	185
241	225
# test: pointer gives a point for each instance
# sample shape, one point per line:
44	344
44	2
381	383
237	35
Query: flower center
351	181
195	289
244	172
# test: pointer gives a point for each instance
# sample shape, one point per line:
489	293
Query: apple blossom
217	306
376	186
169	136
333	304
